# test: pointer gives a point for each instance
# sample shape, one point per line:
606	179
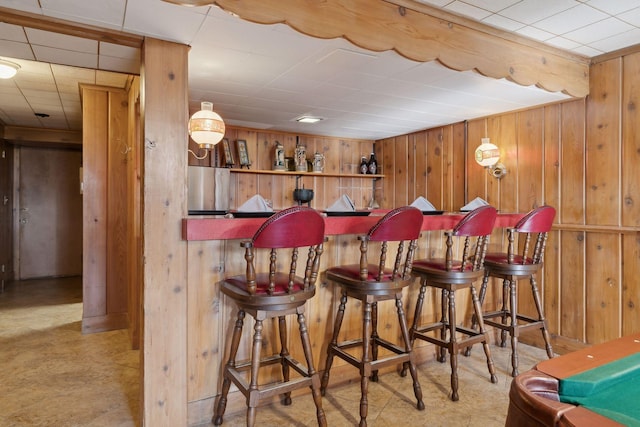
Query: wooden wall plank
572	285
572	179
476	175
603	144
530	133
630	149
630	283
117	212
94	161
455	193
603	293
435	167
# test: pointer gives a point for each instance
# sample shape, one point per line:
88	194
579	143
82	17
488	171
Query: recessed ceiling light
308	119
8	69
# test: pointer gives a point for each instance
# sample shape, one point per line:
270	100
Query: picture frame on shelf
227	155
243	153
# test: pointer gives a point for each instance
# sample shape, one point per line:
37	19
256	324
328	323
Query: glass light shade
487	154
206	127
8	69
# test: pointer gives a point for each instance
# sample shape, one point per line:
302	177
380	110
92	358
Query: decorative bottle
372	165
364	168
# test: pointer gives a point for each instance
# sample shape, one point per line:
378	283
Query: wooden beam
423	34
30	20
27	135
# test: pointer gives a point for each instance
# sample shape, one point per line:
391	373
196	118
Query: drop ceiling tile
104	13
119	51
587	51
468	10
31	6
72	43
535	33
62	56
437	3
632	17
530	11
618	41
492	5
105	78
598	31
164	20
120	65
16	50
613	7
503	22
562	43
571	19
12	32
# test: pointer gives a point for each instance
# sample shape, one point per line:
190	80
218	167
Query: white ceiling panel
264	76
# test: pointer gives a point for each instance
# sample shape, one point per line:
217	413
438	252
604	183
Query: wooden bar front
214	252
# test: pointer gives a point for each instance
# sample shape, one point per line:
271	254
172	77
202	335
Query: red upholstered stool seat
277	293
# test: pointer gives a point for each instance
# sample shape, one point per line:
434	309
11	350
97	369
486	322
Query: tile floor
52	375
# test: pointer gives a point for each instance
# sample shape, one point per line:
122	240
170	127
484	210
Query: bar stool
511	267
371	283
450	274
276	293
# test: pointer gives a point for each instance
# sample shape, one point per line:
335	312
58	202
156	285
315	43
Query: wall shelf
309	174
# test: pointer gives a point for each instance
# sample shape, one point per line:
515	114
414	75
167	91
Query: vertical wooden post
164	125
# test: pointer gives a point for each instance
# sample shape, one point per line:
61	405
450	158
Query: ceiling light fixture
206	128
8	69
308	119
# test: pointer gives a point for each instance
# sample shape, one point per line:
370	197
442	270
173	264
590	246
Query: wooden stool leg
231	362
255	367
545	332
477	308
284	352
374	338
315	378
416	321
474	318
453	348
443	320
513	302
402	319
504	311
334	343
365	363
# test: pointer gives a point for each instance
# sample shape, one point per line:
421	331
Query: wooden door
49	215
6	213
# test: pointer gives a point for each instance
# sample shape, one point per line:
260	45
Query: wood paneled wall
342	156
105	159
578	156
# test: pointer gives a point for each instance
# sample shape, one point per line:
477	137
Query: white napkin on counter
423	204
343	204
255	204
474	204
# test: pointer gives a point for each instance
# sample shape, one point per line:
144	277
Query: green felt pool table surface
604	379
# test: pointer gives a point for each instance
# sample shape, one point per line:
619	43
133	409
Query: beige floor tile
52	375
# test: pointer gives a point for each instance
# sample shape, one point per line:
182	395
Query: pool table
596	386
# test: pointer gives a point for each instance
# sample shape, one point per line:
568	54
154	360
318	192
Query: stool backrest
401	225
292	228
475	228
537	221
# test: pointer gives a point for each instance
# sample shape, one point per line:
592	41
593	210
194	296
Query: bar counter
220	228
